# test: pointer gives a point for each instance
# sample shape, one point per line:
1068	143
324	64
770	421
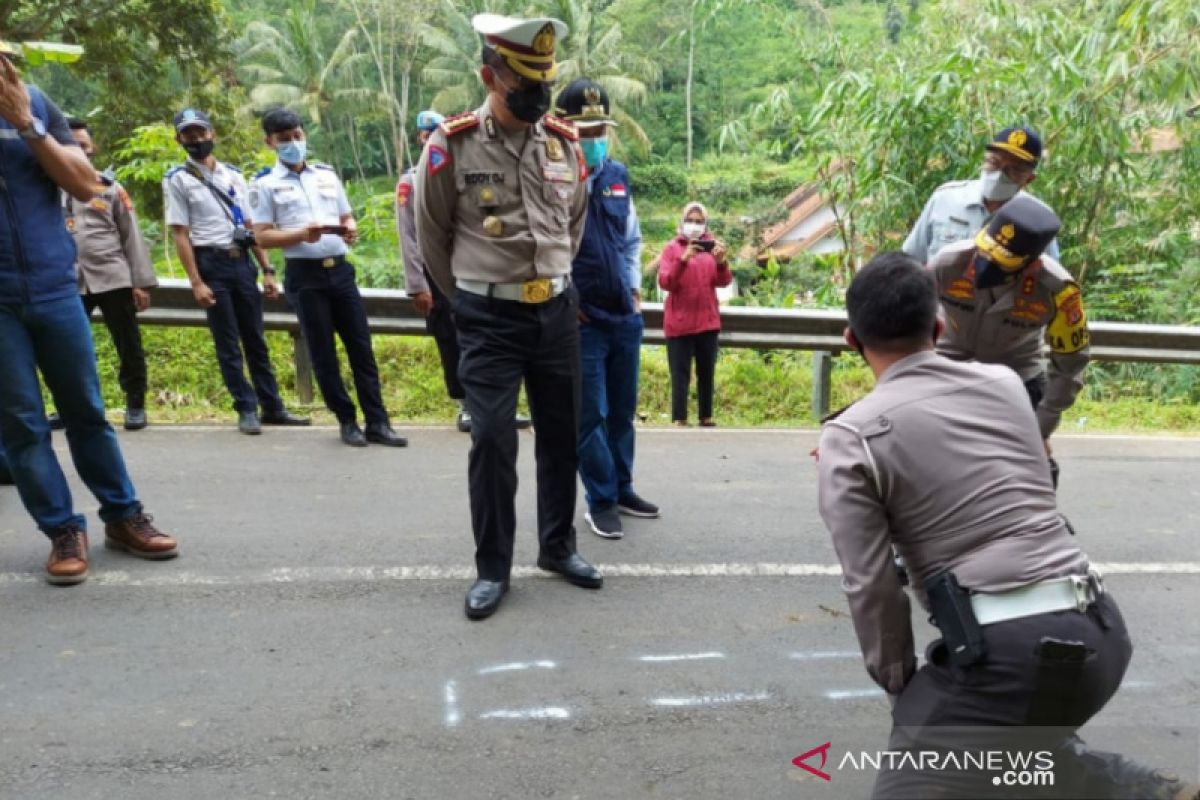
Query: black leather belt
327	263
234	253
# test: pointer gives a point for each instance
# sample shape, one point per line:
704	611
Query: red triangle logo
818	771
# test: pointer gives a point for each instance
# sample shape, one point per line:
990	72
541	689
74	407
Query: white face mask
997	186
693	230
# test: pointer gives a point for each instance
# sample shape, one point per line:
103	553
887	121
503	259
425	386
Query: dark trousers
1036	388
681	351
440	324
120	317
327	301
504	342
1022	698
236	323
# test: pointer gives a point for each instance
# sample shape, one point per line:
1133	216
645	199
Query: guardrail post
821	375
304	374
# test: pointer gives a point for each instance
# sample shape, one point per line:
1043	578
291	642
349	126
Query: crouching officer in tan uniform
500	203
1001	297
944	461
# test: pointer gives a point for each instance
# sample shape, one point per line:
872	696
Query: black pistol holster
951	611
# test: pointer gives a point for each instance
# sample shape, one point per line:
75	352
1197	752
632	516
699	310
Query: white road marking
165	576
453	715
517	666
681	657
549	712
710	699
853	694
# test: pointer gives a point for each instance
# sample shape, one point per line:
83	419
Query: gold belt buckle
328	263
537	290
235	253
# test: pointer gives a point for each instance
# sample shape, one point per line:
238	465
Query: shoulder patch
558	125
459	123
438	159
262	172
1068	331
404	190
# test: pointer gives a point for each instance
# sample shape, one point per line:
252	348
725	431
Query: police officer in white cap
500	207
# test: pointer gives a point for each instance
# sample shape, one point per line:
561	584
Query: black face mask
529	104
991	275
199	150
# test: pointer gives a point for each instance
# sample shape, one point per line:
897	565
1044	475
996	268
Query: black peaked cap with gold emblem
1019	233
585	103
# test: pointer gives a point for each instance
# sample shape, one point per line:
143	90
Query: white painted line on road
710	699
853	694
821	655
549	712
681	657
167	578
453	715
517	666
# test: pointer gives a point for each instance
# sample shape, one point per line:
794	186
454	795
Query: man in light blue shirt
959	209
302	208
607	271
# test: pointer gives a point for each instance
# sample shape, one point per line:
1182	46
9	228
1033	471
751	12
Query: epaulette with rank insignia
459	123
558	125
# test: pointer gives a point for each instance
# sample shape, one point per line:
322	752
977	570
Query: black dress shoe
6	477
353	435
285	417
382	433
135	419
55	422
574	569
248	423
483	598
522	422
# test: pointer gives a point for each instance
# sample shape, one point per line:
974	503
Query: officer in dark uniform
607	272
944	461
500	207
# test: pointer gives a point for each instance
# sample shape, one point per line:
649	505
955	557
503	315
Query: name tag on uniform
480	178
557	172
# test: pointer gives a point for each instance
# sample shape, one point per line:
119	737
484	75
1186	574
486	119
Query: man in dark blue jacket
607	273
43	328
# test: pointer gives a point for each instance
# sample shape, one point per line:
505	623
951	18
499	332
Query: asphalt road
310	641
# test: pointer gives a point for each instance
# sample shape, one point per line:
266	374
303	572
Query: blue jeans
56	338
610	354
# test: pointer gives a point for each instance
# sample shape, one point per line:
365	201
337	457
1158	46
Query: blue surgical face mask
594	150
292	152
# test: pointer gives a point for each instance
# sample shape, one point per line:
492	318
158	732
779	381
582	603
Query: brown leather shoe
68	564
137	536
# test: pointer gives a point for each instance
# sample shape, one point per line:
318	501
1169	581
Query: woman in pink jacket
691	268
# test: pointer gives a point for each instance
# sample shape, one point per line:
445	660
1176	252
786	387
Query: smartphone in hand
336	230
706	245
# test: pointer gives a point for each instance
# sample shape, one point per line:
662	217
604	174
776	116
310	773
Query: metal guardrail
820	331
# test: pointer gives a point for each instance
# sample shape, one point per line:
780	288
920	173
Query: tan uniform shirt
1008	324
499	206
944	460
406	225
111	253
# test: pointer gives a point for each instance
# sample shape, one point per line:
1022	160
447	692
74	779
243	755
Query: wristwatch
35	131
268	271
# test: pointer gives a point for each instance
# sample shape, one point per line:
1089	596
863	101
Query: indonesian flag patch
403	192
618	190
